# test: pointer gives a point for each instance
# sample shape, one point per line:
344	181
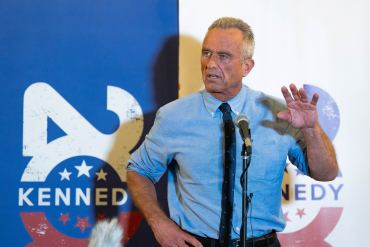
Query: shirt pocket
268	160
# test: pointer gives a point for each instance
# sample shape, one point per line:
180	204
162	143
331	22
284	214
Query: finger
303	95
183	244
287	96
193	241
294	91
284	115
315	99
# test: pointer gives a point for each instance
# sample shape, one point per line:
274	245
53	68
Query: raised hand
300	112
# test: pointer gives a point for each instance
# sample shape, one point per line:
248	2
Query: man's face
221	61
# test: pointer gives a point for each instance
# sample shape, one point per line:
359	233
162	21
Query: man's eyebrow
224	52
218	52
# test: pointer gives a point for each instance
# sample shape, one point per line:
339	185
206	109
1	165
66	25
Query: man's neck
226	96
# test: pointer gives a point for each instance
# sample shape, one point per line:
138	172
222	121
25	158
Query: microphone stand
246	156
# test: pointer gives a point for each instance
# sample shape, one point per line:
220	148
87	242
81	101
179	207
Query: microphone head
241	119
242	122
106	234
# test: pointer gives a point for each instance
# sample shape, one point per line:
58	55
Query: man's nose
212	61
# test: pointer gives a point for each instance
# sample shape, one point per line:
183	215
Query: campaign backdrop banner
80	84
322	46
81	81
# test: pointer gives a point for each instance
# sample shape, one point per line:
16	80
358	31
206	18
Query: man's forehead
223	39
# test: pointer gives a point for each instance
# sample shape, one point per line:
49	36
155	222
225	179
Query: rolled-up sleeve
297	153
152	157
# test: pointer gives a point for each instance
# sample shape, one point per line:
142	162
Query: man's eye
223	56
206	53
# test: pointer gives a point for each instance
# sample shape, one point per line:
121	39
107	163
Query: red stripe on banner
44	234
315	233
129	221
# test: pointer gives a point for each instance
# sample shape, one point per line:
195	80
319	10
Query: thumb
284	115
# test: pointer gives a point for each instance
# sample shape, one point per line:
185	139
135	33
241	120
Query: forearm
321	155
144	195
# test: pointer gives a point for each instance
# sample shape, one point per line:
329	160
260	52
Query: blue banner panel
80	84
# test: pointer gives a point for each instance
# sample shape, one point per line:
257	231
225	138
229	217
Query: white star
83	169
65	174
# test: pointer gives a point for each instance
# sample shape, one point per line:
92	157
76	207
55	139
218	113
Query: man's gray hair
248	37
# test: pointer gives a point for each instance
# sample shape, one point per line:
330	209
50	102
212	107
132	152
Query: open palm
300	113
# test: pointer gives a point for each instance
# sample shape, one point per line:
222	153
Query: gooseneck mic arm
243	124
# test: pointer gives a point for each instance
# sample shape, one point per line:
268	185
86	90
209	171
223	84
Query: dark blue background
80	47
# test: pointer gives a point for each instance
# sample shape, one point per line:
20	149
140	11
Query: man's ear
248	66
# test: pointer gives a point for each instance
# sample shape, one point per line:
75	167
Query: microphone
106	234
243	124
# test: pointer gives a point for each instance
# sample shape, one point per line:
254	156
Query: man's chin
212	85
213	89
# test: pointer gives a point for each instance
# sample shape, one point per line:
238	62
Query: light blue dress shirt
189	130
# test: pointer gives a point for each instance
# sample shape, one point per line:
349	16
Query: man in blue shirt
190	131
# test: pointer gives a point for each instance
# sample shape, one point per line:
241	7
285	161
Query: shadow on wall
129	137
190	75
165	87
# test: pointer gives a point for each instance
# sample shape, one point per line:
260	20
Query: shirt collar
236	103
